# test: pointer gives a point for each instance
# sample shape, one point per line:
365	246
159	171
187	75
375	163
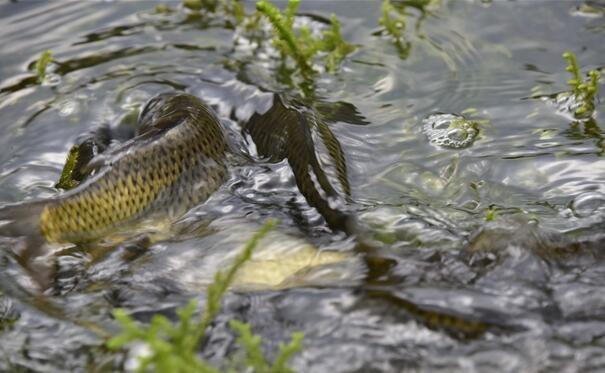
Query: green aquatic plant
41	65
173	345
333	42
254	355
393	19
163	9
170	344
197	5
232	8
222	281
491	213
584	90
235	9
394	23
302	47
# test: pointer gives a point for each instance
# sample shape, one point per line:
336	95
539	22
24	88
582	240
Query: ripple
422	199
587	204
67	107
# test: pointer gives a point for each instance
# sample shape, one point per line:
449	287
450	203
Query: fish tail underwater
22	223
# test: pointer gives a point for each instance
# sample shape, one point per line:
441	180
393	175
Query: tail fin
23	221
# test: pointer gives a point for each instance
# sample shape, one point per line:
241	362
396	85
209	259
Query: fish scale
147	177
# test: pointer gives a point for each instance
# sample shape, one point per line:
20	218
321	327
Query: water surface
464	294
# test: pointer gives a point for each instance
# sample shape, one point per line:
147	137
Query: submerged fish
175	161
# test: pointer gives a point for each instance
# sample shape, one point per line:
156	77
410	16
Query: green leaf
251	345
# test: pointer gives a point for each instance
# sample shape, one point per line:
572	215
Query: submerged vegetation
41	65
298	45
302	47
173	347
393	18
584	90
232	8
394	24
254	357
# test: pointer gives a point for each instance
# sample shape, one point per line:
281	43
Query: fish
180	154
176	160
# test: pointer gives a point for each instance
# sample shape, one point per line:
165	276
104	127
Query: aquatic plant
254	355
230	7
235	9
41	64
394	24
173	345
302	47
394	21
197	5
163	9
491	213
583	90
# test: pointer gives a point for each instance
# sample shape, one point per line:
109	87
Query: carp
176	160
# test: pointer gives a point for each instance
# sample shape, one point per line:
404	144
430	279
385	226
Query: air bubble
51	80
450	130
67	107
586	204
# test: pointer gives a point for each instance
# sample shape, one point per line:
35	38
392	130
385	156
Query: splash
450	130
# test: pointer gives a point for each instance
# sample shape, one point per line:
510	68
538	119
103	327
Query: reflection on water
520	293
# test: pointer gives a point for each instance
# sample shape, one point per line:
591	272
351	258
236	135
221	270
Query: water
520	293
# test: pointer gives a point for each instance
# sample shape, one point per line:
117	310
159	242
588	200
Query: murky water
523	292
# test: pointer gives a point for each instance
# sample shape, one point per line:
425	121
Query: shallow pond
521	292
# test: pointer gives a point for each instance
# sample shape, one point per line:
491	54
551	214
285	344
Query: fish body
177	159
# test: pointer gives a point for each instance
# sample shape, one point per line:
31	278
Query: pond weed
583	90
394	23
254	357
394	20
41	65
491	213
231	8
303	47
172	346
